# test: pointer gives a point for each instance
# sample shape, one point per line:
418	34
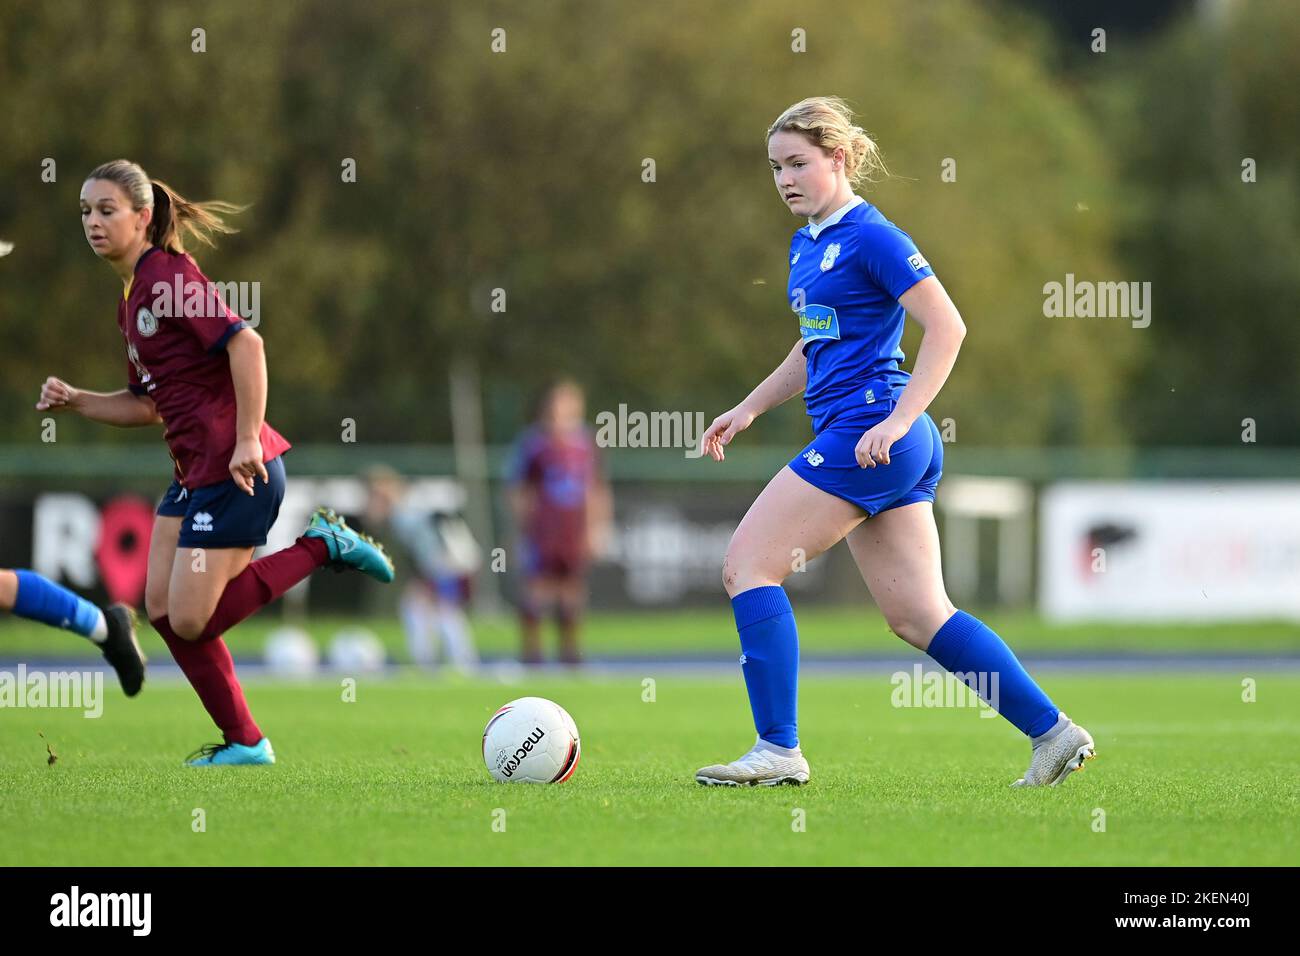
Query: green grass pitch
1187	773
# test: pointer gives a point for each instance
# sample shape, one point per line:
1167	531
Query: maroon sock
262	582
211	673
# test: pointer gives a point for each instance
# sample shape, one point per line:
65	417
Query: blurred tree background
523	170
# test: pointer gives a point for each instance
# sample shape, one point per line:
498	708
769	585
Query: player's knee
733	573
740	573
910	627
155	604
186	626
567	613
728	574
917	626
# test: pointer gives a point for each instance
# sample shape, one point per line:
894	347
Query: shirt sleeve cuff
137	389
907	284
220	343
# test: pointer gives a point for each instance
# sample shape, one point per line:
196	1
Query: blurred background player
561	505
437	556
200	372
28	594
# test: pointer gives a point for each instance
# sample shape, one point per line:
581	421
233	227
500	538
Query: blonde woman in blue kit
871	471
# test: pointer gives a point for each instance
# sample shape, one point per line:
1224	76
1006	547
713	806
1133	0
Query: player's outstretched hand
246	464
724	428
56	395
873	447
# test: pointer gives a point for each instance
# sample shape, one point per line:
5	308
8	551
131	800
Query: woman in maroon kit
199	370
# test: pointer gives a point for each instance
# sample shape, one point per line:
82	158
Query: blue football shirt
845	279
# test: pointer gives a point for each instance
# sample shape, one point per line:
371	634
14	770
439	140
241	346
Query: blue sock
39	599
965	645
769	658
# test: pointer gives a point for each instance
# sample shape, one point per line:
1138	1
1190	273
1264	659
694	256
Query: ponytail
174	216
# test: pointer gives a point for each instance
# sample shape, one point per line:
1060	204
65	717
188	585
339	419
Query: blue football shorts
915	463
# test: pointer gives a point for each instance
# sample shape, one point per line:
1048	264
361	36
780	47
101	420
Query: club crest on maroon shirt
145	323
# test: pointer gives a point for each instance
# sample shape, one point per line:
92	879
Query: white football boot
760	767
1055	759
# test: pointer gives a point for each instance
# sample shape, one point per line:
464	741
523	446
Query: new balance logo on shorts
812	457
202	522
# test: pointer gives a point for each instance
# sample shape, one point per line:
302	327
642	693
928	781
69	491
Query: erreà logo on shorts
202	522
103	909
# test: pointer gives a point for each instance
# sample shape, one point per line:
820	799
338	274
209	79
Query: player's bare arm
928	303
248	371
122	408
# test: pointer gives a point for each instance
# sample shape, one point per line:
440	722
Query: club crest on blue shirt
145	323
794	258
832	252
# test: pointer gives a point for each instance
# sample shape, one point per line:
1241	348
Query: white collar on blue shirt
833	218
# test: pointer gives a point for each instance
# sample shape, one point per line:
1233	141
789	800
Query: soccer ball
531	740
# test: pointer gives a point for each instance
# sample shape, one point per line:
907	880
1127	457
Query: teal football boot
350	548
231	755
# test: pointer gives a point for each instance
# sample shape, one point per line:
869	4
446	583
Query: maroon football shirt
176	354
562	469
